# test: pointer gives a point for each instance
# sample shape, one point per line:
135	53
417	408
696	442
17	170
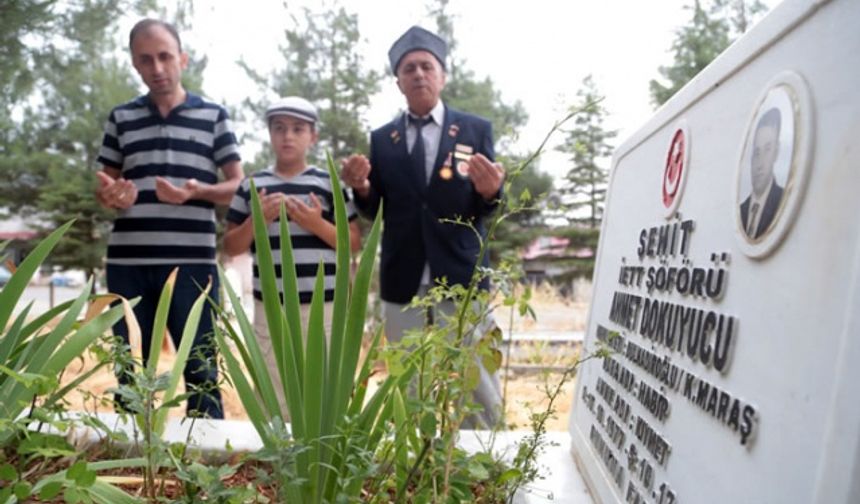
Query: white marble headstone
728	281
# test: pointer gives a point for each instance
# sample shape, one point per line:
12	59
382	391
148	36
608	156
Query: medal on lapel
395	136
445	172
453	130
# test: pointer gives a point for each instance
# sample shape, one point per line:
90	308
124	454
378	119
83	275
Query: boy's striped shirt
308	249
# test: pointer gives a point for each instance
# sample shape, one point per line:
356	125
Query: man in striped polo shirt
160	158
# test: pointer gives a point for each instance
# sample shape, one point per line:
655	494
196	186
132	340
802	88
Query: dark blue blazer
412	233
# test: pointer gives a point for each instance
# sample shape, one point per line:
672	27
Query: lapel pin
395	136
453	130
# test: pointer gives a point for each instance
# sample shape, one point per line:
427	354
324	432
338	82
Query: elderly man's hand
356	169
486	175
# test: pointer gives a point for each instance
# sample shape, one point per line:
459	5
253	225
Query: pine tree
80	86
466	91
710	31
51	152
322	64
587	143
528	190
180	16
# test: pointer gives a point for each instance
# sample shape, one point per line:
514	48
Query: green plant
81	484
427	463
45	465
34	352
204	482
140	398
324	387
524	467
140	395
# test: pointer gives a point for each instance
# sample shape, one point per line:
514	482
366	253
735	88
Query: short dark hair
772	118
145	24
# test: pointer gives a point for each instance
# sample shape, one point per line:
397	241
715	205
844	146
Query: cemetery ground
542	349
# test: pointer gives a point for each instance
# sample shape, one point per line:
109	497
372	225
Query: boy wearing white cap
307	193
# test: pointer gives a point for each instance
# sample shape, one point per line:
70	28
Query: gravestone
727	284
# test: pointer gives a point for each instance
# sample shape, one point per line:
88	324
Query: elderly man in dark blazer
429	164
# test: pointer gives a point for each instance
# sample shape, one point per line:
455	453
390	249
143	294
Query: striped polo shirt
308	249
192	142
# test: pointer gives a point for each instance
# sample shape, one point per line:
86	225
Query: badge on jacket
463	152
445	172
463	169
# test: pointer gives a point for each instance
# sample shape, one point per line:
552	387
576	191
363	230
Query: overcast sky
537	51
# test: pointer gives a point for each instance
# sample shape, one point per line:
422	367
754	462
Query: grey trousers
399	319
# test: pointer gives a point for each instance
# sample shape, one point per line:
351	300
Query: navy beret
417	39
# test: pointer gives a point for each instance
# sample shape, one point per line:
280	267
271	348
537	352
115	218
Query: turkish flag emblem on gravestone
674	168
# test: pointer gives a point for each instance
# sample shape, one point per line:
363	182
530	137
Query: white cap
293	106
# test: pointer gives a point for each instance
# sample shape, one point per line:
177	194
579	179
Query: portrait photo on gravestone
773	165
766	163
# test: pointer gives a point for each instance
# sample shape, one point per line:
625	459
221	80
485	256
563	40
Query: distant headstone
727	283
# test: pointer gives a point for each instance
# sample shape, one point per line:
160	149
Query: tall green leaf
246	392
249	349
43	348
188	334
355	319
19	396
13	289
10	348
291	308
159	326
279	328
315	384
